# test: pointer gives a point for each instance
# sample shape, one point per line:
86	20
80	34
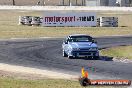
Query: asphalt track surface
47	54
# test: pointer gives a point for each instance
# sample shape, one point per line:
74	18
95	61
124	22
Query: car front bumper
84	53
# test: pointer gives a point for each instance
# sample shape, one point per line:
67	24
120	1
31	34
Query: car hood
82	44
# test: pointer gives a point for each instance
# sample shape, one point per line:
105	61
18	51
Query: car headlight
94	49
74	49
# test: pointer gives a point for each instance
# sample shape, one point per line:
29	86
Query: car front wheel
64	54
70	57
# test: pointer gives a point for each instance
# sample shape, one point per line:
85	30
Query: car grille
85	49
84	53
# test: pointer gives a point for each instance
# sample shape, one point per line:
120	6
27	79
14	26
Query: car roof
78	35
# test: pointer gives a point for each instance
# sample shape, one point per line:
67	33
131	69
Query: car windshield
80	39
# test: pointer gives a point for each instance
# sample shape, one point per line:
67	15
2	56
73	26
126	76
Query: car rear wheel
64	54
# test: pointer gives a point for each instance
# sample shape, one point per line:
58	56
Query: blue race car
80	45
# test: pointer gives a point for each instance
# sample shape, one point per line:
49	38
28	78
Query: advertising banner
58	18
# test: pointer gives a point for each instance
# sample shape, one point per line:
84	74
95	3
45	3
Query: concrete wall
65	8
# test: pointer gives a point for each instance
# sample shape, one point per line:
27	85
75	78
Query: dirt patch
123	60
20	75
21	72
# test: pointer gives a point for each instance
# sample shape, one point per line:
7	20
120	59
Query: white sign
57	18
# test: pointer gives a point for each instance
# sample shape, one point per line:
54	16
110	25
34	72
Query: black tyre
70	57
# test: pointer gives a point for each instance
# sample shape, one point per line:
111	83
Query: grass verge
47	83
119	52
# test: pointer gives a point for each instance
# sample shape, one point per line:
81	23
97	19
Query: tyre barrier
107	22
30	20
